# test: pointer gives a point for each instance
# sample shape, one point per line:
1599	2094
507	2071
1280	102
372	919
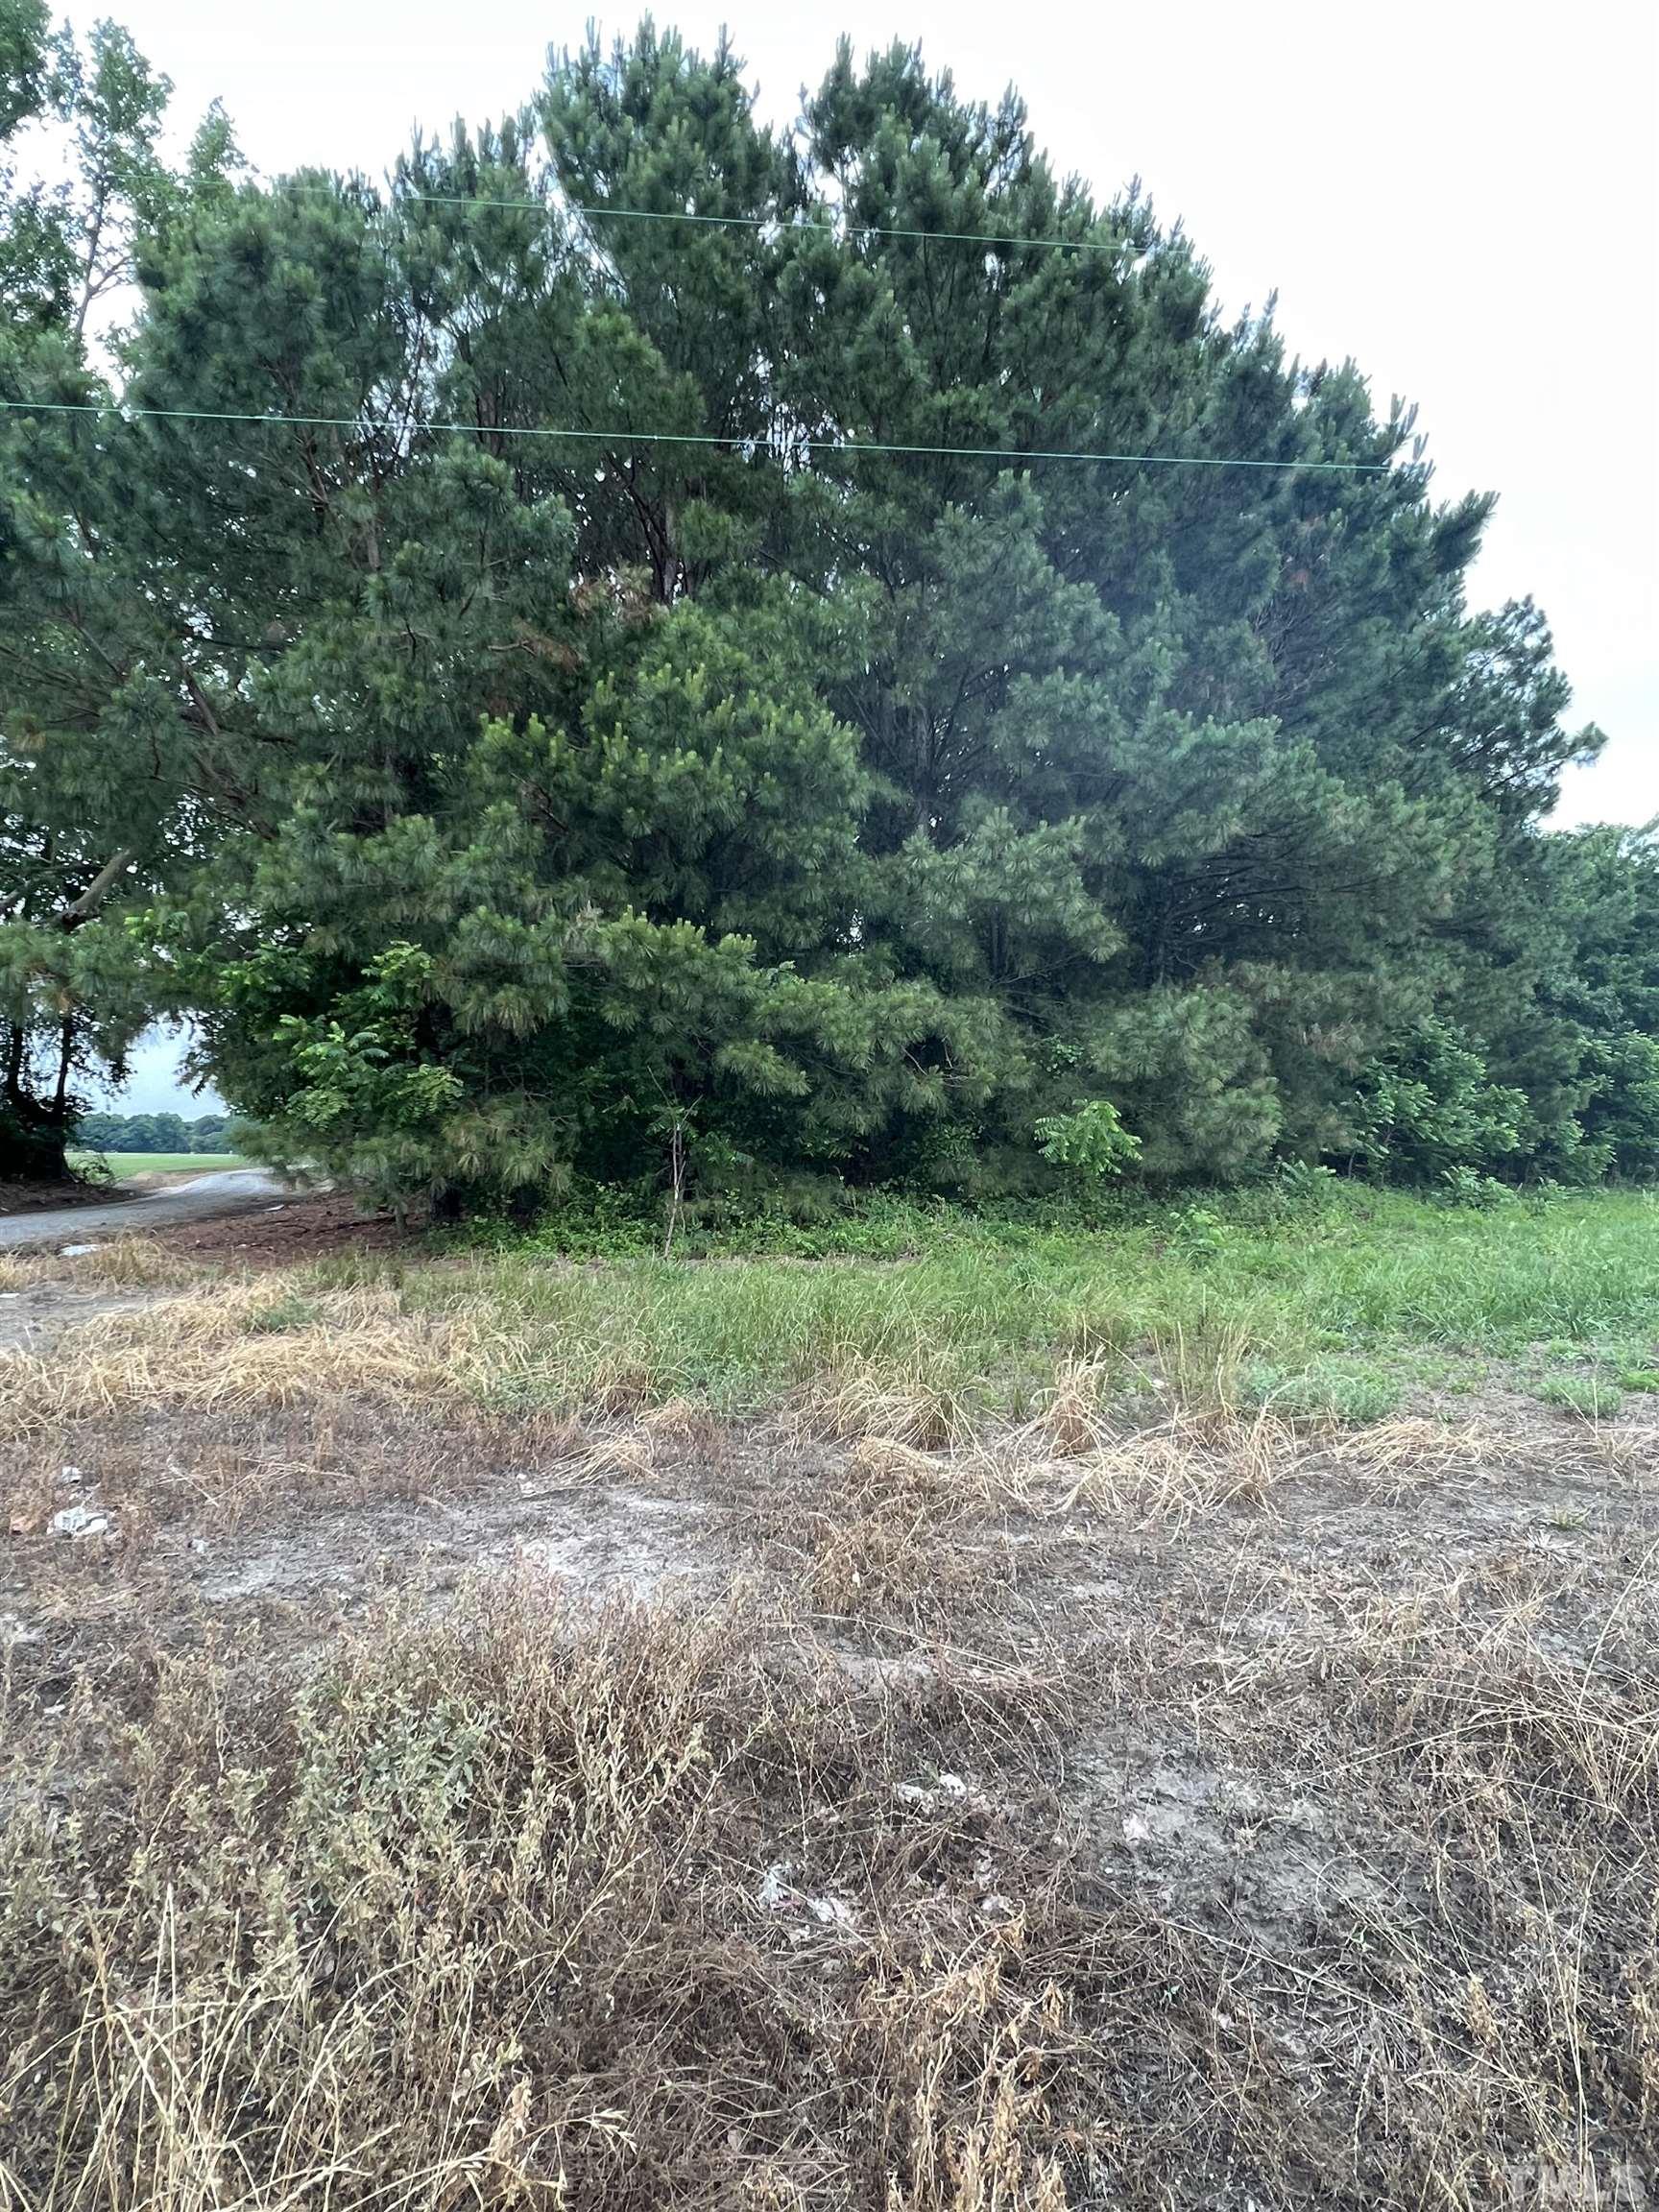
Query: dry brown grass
650	1910
1406	1454
214	1352
1165	1812
921	1532
855	1401
1413	1451
477	1915
976	2045
1074	1418
1195	1462
484	1910
121	1264
1464	1766
224	1475
1526	1773
639	1450
891	1532
1184	1467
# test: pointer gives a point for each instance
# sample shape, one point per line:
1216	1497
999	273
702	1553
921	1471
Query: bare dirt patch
19	1197
289	1232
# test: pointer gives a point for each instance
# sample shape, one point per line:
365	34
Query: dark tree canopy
813	758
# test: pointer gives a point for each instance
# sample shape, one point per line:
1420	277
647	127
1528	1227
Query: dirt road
230	1191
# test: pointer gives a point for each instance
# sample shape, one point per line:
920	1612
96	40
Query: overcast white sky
1461	194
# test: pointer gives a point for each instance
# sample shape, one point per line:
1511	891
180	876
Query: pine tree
822	755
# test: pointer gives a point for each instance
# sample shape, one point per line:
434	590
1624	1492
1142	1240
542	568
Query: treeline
555	693
216	1133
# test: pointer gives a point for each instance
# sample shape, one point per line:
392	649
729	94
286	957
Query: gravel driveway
232	1191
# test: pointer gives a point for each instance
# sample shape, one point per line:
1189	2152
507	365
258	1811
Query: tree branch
97	891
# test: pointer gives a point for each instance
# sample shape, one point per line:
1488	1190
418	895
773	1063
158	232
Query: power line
849	447
834	227
827	226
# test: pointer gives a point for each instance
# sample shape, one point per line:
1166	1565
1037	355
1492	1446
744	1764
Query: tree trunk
34	1143
65	1053
89	278
15	1065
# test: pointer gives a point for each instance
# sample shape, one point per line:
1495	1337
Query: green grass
1344	1308
1591	1396
124	1165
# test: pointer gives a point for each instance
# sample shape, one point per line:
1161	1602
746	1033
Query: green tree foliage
1430	1105
90	819
208	1133
737	801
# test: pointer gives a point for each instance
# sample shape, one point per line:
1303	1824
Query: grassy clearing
124	1165
1340	1310
1340	1315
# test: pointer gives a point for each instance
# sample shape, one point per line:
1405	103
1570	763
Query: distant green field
123	1165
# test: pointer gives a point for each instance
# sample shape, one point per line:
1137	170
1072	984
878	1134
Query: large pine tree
675	682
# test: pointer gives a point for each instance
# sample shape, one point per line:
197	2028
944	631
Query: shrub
1468	1187
1091	1140
1429	1107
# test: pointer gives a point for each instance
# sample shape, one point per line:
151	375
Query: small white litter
831	1912
79	1521
1136	1829
777	1893
776	1889
74	1251
70	1475
943	1786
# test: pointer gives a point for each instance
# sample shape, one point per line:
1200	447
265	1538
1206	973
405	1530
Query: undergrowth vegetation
1317	1298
